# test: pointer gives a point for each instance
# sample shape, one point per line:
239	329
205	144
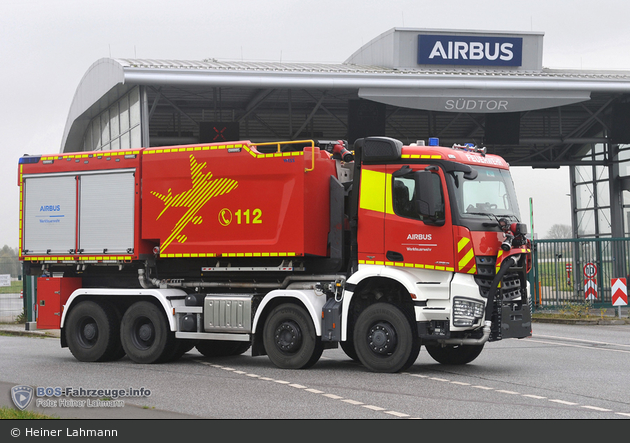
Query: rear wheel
222	348
92	332
384	339
290	339
454	355
145	334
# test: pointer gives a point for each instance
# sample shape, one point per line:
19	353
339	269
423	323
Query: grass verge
15	414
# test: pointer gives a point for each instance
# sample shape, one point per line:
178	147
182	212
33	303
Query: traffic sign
590	281
590	270
619	291
590	289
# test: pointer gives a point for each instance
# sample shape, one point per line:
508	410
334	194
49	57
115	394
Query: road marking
397	414
555	400
401	414
596	408
584	341
352	402
374	408
581	346
314	391
537	397
503	391
311	390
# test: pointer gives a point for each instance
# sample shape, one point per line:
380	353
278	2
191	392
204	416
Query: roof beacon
434	141
471	148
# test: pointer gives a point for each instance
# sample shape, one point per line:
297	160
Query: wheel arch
395	286
307	299
121	299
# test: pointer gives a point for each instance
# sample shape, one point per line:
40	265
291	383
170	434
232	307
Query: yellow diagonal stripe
466	259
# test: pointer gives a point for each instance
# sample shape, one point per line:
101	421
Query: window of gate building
118	127
624	172
592	194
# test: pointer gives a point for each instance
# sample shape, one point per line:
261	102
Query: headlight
466	312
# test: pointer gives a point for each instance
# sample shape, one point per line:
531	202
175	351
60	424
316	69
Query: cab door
412	239
371	214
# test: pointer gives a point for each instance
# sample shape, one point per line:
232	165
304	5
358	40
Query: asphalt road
562	372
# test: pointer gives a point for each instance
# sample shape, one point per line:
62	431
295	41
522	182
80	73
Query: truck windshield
490	195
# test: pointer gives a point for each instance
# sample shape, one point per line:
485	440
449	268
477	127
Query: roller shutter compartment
49	214
106	214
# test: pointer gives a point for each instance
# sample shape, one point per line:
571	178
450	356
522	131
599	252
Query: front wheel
454	355
290	338
145	334
384	339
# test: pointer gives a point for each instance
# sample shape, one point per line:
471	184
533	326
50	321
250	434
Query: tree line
9	262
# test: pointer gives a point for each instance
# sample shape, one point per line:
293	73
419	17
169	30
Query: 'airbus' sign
469	50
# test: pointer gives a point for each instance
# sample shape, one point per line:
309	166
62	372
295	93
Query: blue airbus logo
48	208
469	50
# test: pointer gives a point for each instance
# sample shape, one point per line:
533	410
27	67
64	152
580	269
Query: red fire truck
284	248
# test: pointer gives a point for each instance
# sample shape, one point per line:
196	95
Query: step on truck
282	248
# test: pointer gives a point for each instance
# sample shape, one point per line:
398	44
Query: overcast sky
46	46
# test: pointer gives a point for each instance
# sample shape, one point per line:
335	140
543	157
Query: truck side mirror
429	201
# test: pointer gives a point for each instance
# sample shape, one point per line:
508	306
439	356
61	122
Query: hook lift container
287	248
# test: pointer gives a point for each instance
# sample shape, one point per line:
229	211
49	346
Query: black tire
348	348
118	352
145	334
92	332
384	339
290	338
222	348
179	349
454	355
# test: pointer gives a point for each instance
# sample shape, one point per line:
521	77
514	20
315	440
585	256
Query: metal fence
11	302
577	270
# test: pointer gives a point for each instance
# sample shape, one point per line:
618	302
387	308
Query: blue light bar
434	141
27	159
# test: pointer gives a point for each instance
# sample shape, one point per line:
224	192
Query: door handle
394	256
